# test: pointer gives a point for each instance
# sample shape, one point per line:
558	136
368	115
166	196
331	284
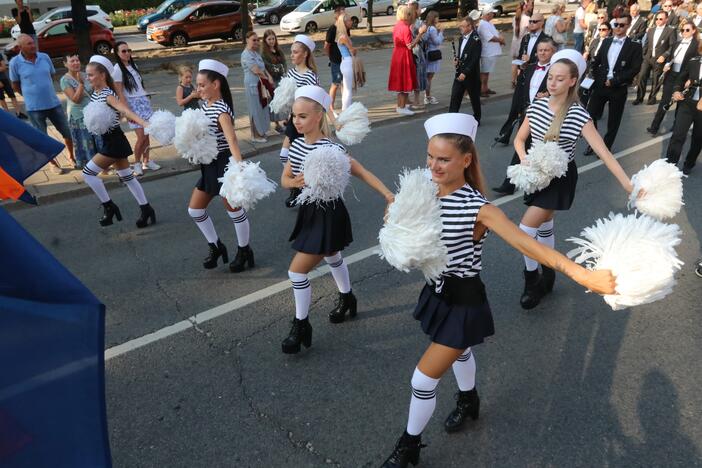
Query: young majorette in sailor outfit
217	105
114	148
454	311
321	230
560	118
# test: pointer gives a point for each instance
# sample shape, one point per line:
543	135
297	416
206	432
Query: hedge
113	5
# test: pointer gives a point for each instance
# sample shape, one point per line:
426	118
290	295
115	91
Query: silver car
380	7
502	7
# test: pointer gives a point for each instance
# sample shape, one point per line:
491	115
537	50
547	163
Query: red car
57	39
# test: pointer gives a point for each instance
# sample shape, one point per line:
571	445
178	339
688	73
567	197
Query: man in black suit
467	69
535	79
689	113
637	29
660	41
614	69
673	19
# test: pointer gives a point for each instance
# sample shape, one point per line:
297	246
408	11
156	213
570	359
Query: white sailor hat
452	122
213	65
305	40
104	61
315	93
572	55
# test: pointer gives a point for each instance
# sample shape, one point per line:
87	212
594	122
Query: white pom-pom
327	172
162	127
640	251
244	184
663	190
192	138
98	117
411	236
283	96
354	124
545	161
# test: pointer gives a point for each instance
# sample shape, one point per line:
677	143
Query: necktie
542	67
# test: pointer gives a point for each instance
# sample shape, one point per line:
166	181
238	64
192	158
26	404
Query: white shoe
151	166
259	140
404	111
433	100
138	170
427	101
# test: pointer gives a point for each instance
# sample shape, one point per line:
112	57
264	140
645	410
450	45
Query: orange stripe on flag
9	187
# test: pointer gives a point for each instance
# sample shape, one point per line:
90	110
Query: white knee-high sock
340	272
90	175
422	403
545	234
303	294
530	263
204	222
127	176
242	226
464	370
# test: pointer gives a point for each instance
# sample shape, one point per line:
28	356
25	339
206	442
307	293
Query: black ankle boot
345	303
467	404
301	332
146	213
290	201
507	188
216	250
532	290
406	451
548	277
110	210
244	256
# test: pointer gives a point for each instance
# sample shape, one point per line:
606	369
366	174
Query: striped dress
210	173
113	143
302	79
213	112
299	151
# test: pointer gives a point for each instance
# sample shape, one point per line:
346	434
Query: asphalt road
570	383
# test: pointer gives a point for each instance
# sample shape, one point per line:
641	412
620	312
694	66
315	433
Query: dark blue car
164	10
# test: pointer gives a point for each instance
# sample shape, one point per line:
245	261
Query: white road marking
269	291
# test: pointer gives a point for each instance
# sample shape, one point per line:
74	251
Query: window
59	29
224	9
92	12
350	3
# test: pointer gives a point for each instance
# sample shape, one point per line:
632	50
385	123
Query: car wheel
236	33
103	48
179	39
390	11
311	27
364	12
273	19
354	22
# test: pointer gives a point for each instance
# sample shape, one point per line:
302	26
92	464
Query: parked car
197	22
271	14
95	13
501	6
380	7
314	15
163	11
57	39
447	9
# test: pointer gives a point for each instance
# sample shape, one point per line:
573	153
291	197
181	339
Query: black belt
469	291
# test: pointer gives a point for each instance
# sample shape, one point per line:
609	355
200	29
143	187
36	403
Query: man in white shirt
660	41
689	113
491	41
579	26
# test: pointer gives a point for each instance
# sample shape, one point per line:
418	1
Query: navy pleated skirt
114	144
322	228
209	173
559	194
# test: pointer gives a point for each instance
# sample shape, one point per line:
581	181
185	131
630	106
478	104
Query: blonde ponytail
554	130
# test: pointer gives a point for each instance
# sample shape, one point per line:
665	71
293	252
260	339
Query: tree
81	28
369	16
244	20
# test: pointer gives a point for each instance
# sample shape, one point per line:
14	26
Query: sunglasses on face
534	21
660	19
687	30
620	25
125	51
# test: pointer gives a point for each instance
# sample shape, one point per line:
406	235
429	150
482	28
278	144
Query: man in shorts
334	55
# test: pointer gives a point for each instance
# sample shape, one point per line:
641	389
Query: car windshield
182	14
164	6
308	6
45	15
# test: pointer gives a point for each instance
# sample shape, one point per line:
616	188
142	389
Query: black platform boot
532	290
301	332
110	210
467	404
290	201
548	277
244	256
216	250
507	188
406	451
345	303
146	213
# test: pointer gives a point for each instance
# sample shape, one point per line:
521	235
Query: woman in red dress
403	74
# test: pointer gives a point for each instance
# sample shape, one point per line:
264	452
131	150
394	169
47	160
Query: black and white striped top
213	112
540	118
302	79
459	212
299	151
101	96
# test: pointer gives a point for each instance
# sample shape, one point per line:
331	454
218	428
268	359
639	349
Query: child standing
6	88
186	94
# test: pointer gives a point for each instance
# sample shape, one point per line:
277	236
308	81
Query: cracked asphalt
570	383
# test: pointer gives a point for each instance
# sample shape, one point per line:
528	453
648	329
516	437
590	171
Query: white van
314	15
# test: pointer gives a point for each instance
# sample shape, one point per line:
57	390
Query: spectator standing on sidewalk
130	89
418	52
24	19
492	43
580	26
255	79
186	95
435	37
31	75
6	89
520	26
334	54
403	73
556	26
77	89
277	67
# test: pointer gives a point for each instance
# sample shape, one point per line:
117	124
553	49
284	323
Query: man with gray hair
492	42
31	75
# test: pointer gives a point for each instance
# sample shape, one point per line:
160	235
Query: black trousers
668	84
470	84
515	111
616	97
647	66
687	115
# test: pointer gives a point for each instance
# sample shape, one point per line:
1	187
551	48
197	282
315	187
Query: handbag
265	91
434	55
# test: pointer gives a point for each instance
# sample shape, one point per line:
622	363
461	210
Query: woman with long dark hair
276	66
130	89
